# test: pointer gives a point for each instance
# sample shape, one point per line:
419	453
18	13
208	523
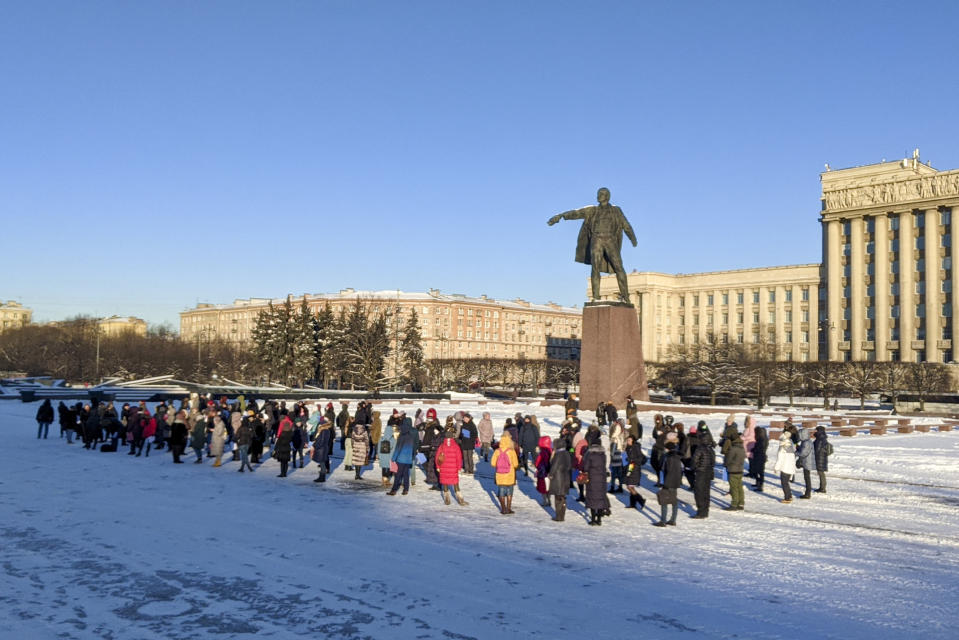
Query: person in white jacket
786	464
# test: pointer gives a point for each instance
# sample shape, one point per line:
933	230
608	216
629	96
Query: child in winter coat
542	467
505	462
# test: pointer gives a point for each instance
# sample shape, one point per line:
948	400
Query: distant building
14	315
116	325
452	325
775	305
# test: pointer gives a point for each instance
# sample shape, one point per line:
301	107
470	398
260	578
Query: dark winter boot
502	505
560	509
509	505
148	450
641	501
581	497
592	518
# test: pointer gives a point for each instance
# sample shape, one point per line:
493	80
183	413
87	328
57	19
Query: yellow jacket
506	448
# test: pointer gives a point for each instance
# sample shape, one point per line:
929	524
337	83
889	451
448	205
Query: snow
101	545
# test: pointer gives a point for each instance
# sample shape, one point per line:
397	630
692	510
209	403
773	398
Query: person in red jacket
149	432
449	460
542	467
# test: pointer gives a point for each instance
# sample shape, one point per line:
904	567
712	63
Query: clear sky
157	154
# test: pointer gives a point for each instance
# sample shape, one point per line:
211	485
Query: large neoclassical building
883	290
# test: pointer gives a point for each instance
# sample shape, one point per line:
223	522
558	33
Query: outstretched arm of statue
629	232
575	214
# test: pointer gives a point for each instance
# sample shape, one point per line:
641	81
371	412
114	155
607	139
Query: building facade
451	325
888	256
773	305
116	325
14	315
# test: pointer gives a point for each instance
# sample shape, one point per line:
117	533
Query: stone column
833	288
933	262
857	273
954	252
907	286
813	325
881	280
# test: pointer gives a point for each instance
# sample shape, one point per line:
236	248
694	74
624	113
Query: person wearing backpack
822	451
505	462
385	453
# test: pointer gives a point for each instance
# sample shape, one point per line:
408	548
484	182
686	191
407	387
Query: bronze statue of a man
601	239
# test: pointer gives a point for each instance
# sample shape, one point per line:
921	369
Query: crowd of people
596	460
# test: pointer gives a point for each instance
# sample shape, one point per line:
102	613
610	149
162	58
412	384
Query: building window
709	300
772	297
921	287
920	221
805	315
920	355
789	316
894	223
947	356
725	318
772	317
756	317
894	311
739	338
947	310
789	336
725	298
946	239
739	317
739	297
805	337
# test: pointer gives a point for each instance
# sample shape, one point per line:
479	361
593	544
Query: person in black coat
259	438
67	421
703	462
611	414
757	465
635	459
658	451
528	441
282	450
594	463
672	480
91	429
44	419
467	442
321	448
821	450
560	466
178	433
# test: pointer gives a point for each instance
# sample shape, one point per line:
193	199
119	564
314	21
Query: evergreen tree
264	337
303	344
323	330
411	350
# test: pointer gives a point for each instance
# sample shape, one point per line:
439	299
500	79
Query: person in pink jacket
542	467
449	460
749	440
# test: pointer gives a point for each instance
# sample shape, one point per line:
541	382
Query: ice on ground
99	545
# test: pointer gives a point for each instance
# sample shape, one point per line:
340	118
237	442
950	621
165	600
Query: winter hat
668	420
672	437
431	414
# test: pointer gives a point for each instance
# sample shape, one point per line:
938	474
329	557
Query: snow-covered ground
96	545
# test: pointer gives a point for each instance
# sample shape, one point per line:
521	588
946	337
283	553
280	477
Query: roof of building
433	295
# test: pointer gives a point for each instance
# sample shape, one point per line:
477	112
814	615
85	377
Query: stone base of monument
611	358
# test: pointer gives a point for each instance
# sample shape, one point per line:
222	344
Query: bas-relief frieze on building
893	192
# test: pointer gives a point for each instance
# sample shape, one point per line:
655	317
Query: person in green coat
735	461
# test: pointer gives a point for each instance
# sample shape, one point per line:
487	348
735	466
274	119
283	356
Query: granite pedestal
611	359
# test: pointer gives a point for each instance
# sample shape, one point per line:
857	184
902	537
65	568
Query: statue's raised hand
554	219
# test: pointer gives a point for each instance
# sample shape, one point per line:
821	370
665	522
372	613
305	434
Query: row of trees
76	350
755	370
353	347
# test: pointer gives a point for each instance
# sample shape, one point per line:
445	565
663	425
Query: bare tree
789	374
893	377
861	378
826	376
927	378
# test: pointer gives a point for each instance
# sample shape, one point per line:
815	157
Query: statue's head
602	196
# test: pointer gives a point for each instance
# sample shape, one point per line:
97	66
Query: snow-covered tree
411	351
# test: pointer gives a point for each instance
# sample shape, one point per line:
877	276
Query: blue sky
153	155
